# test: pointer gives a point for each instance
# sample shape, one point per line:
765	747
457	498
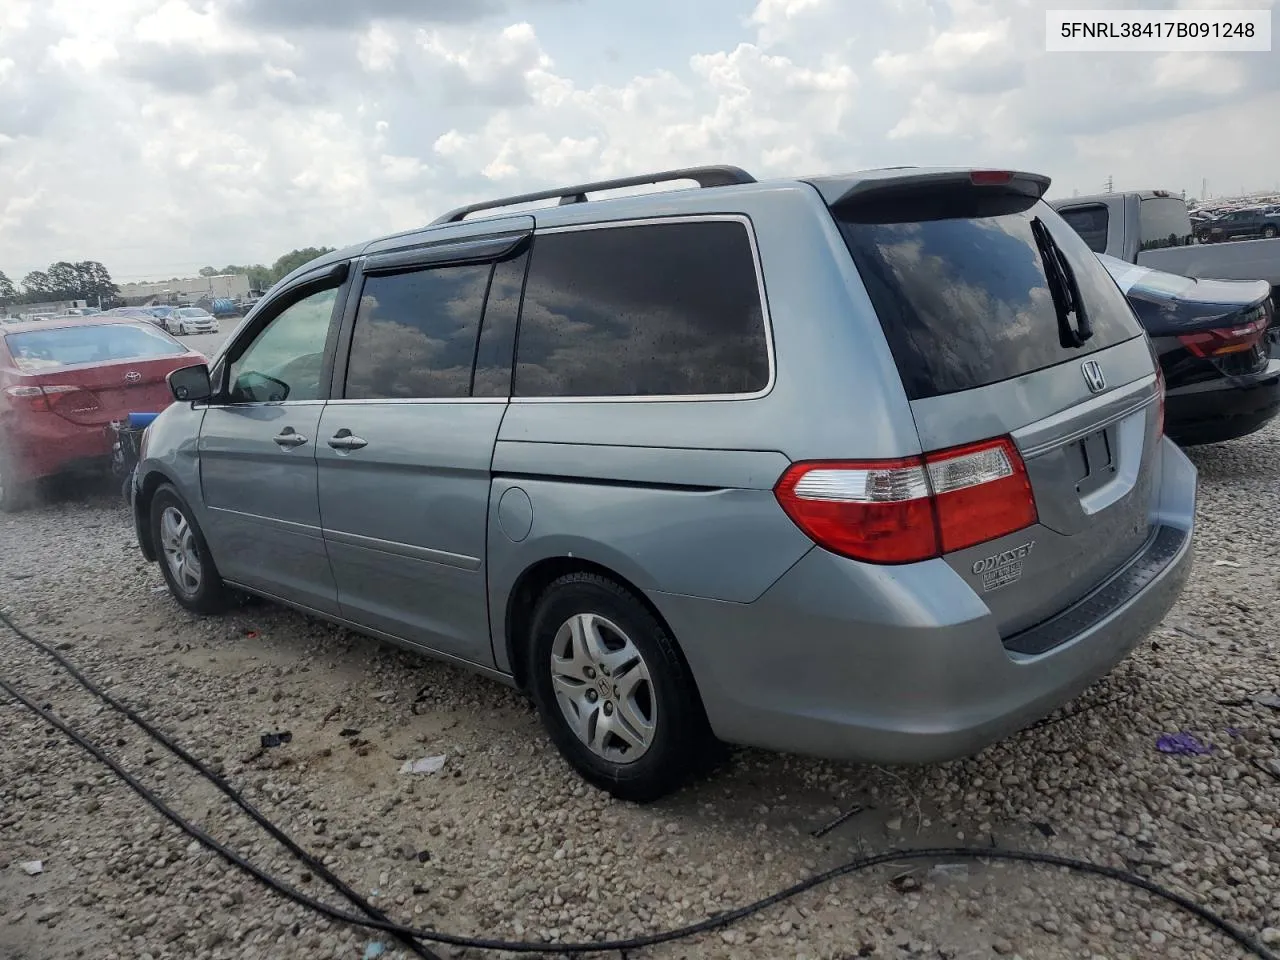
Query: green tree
294	259
7	291
208	271
35	287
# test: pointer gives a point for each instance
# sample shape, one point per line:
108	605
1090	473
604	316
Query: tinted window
285	360
1091	223
661	309
46	349
498	332
415	334
963	299
1164	223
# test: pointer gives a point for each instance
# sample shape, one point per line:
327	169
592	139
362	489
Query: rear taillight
60	398
1159	402
29	398
1226	340
903	511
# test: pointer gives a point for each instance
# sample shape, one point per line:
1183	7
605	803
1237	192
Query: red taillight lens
1224	340
981	491
903	511
28	398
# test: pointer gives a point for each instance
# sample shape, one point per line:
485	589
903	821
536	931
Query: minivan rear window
960	289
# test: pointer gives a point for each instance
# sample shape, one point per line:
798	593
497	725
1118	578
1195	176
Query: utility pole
1204	188
1110	184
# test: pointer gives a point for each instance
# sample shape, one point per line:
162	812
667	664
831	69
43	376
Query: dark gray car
866	466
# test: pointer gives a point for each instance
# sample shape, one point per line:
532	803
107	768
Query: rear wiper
1063	288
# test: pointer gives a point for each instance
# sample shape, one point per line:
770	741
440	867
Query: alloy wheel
603	688
180	552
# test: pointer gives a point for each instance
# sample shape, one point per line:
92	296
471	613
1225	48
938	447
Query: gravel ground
505	841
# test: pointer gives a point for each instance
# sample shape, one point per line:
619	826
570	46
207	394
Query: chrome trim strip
404	400
408	550
677	398
259	404
288	526
1079	410
491	672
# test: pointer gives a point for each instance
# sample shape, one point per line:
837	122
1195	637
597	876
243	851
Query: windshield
1164	223
961	292
69	346
192	312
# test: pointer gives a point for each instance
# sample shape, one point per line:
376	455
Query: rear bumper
45	445
905	665
1224	412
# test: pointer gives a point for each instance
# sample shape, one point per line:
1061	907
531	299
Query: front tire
1269	232
185	561
613	690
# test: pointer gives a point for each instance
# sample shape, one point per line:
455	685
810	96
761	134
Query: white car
186	320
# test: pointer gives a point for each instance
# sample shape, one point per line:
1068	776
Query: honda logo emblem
133	376
1093	376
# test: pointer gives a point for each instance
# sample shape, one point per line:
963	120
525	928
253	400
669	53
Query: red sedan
62	383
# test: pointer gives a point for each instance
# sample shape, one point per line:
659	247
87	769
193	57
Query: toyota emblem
133	376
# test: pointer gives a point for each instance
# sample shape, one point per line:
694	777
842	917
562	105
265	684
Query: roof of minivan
660	202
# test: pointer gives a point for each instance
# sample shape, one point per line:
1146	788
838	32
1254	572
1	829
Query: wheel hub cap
603	688
180	553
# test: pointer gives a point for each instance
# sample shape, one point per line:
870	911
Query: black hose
314	863
1237	934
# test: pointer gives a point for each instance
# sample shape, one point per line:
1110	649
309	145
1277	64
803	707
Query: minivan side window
1091	223
415	334
286	359
654	309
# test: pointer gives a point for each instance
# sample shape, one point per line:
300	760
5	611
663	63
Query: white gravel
518	847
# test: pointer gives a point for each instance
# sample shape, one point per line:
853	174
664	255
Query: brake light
55	397
991	178
903	511
1225	340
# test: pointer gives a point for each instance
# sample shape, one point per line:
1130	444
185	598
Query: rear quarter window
960	290
667	309
1092	223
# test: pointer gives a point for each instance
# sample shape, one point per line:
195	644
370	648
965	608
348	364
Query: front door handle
344	439
289	438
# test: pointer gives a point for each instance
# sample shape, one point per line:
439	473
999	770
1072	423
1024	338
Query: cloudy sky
161	135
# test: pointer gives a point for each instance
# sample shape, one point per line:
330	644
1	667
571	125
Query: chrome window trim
679	397
255	404
414	400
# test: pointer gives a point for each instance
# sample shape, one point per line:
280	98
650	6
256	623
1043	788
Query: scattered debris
374	950
1226	563
420	699
1235	733
1183	744
1271	768
331	714
270	740
1046	829
32	867
251	634
160	589
1271	700
385	696
822	831
424	765
950	871
905	882
348	732
424	856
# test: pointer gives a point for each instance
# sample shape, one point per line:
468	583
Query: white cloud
160	135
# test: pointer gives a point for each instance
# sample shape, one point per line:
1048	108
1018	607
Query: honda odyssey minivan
867	466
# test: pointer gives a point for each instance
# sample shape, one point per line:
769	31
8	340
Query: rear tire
184	557
613	690
1269	232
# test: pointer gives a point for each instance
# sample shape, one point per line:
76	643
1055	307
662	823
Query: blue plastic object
140	420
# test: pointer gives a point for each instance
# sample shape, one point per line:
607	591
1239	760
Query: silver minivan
867	466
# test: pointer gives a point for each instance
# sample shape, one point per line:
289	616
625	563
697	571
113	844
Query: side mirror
191	384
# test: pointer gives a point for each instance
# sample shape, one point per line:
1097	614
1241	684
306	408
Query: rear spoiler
914	181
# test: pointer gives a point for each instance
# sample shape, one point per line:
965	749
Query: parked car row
1247	224
179	321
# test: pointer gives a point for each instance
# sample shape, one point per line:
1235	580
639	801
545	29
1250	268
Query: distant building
52	308
222	286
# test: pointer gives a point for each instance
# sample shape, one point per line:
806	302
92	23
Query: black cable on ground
316	865
1237	934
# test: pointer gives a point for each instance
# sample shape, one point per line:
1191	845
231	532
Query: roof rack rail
710	176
